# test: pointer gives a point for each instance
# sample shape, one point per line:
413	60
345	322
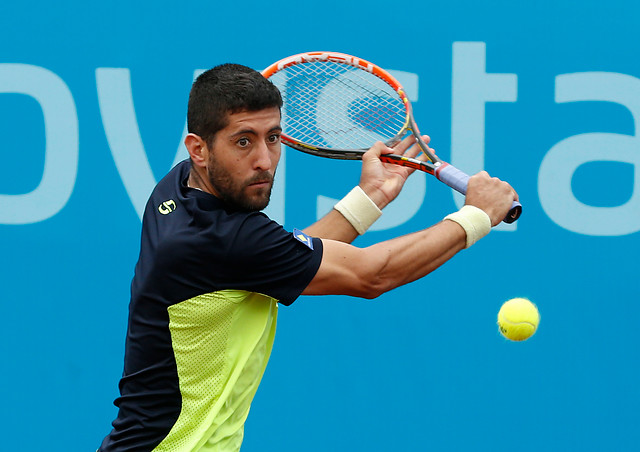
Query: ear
197	149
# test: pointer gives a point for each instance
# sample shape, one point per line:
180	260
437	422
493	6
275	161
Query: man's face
243	158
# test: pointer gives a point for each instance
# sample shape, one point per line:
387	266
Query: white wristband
475	222
358	209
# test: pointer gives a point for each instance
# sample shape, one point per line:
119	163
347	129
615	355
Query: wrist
475	222
375	195
358	209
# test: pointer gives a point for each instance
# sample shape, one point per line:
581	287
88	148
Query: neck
197	181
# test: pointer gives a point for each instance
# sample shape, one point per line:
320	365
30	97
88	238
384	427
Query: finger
376	151
511	189
401	147
415	150
515	193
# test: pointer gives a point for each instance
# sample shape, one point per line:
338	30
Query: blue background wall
545	94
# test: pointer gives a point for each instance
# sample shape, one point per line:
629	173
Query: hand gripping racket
338	106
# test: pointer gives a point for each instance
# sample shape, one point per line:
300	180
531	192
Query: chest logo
167	207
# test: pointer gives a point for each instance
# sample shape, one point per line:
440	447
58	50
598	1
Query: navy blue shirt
192	244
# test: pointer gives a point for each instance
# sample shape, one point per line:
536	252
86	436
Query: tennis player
213	269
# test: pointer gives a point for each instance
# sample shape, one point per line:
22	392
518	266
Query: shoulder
249	232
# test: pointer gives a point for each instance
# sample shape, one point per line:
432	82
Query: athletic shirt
202	318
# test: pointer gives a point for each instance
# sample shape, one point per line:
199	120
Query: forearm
350	217
371	271
333	226
414	256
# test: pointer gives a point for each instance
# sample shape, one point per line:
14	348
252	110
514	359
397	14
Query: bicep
345	270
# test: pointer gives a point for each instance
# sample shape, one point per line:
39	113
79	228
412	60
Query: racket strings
337	106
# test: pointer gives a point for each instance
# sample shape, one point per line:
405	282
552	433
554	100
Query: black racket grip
458	180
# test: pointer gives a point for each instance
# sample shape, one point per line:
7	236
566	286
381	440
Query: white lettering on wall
115	99
472	88
562	160
61	144
121	128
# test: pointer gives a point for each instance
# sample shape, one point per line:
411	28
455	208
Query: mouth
261	181
260	184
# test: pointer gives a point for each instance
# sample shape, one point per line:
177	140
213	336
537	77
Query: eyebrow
277	128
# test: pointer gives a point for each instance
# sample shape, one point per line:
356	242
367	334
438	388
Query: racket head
337	105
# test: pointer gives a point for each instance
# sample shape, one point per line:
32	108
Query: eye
243	142
273	139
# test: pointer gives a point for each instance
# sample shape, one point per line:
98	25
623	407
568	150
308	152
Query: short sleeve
261	256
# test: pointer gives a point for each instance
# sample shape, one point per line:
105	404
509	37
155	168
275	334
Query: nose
262	158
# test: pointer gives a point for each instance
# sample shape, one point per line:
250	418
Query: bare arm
372	271
382	182
333	226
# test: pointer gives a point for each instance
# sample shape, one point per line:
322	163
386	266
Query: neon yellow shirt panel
222	342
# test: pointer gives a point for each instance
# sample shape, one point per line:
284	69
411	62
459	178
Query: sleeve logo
167	207
303	238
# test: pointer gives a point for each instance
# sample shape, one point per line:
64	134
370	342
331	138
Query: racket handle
458	180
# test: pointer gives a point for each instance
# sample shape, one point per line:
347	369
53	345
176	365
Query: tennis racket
338	106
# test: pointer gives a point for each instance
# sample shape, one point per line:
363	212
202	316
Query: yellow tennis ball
518	319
